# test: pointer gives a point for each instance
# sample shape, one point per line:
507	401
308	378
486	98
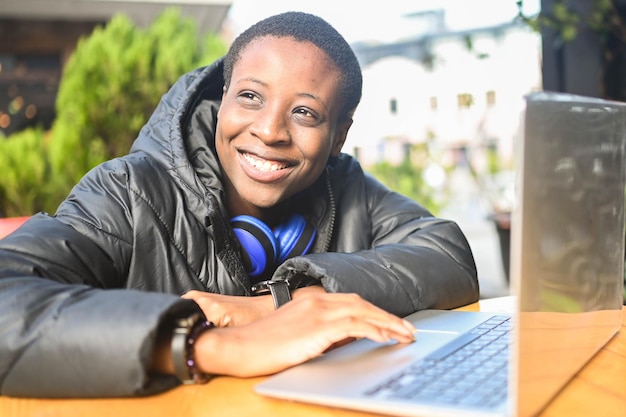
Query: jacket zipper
331	198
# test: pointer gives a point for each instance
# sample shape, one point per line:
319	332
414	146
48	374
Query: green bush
407	178
110	86
24	170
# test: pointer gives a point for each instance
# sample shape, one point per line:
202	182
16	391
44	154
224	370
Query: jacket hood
180	134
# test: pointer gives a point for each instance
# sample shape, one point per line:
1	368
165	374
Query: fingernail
409	326
410	338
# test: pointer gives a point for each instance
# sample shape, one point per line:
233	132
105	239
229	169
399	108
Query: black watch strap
281	293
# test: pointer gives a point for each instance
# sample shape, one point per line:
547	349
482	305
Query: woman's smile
263	170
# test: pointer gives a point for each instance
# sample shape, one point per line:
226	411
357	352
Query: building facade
457	90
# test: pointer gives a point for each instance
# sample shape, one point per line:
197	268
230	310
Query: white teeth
262	164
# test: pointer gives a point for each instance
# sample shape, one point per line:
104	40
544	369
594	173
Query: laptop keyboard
472	370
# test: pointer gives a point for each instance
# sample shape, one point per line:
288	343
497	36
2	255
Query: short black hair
304	27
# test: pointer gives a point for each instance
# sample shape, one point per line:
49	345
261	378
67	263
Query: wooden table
598	390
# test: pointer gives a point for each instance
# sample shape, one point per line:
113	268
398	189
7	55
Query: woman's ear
340	137
224	90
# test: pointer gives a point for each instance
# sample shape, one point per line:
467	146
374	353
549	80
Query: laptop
567	277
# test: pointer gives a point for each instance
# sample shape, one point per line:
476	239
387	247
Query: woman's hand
299	330
231	310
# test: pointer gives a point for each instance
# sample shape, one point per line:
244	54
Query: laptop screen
569	227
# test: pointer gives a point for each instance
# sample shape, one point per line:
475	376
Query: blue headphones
264	247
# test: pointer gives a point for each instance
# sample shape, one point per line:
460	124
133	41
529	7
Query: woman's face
278	123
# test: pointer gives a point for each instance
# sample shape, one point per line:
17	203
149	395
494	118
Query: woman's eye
306	113
247	95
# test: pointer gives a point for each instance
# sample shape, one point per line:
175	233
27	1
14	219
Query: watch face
261	288
265	287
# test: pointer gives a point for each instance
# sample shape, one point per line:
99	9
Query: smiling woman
146	275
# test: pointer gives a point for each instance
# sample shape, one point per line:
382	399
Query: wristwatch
186	332
280	290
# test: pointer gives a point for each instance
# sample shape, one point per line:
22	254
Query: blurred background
444	87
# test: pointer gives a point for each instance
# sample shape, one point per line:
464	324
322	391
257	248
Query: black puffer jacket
82	293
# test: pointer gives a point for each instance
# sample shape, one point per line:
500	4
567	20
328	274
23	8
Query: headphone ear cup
258	242
295	237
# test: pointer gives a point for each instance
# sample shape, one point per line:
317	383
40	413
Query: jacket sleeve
394	253
68	328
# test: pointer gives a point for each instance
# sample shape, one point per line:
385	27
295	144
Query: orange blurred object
10	224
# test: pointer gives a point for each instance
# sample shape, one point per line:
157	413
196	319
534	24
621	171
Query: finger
320	339
355	327
334	306
402	330
340	343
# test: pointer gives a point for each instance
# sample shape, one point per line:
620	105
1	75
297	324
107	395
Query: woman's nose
271	126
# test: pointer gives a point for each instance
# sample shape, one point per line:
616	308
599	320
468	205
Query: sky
382	21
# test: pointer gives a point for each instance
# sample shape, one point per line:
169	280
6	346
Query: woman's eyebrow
314	97
251	79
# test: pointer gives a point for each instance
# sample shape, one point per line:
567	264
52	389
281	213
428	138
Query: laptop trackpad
359	365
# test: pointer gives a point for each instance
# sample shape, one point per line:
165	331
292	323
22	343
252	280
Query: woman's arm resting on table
300	330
